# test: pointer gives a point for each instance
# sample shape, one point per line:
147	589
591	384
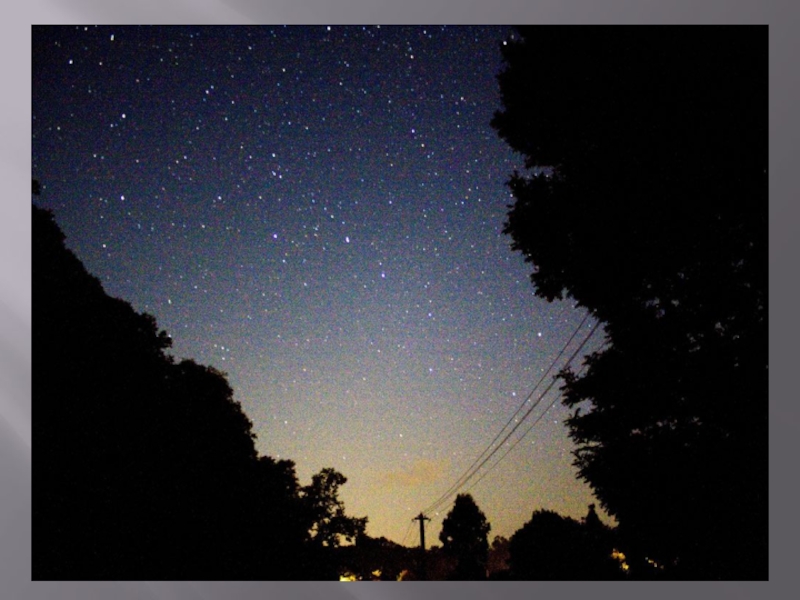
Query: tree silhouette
144	467
98	368
328	523
554	547
497	559
377	559
649	208
464	536
277	529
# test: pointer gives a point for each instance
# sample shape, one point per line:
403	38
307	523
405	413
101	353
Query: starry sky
318	211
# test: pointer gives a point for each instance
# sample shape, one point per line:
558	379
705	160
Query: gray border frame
15	264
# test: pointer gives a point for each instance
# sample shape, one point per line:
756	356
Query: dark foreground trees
144	467
554	547
651	211
330	526
464	537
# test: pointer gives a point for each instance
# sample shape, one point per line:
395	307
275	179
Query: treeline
145	467
547	547
649	208
556	548
646	203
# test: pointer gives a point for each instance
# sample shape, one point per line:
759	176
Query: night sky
318	212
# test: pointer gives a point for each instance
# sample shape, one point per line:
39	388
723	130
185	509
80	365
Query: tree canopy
145	467
329	525
464	536
648	207
554	547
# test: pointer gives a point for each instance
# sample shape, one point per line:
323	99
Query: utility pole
423	564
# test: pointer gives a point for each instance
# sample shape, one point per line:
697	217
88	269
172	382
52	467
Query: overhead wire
514	445
405	537
510	433
521	406
472	470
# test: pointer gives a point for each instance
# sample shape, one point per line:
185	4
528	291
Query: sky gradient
318	213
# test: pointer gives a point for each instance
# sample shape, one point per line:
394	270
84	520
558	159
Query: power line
514	445
524	402
472	471
405	537
510	433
